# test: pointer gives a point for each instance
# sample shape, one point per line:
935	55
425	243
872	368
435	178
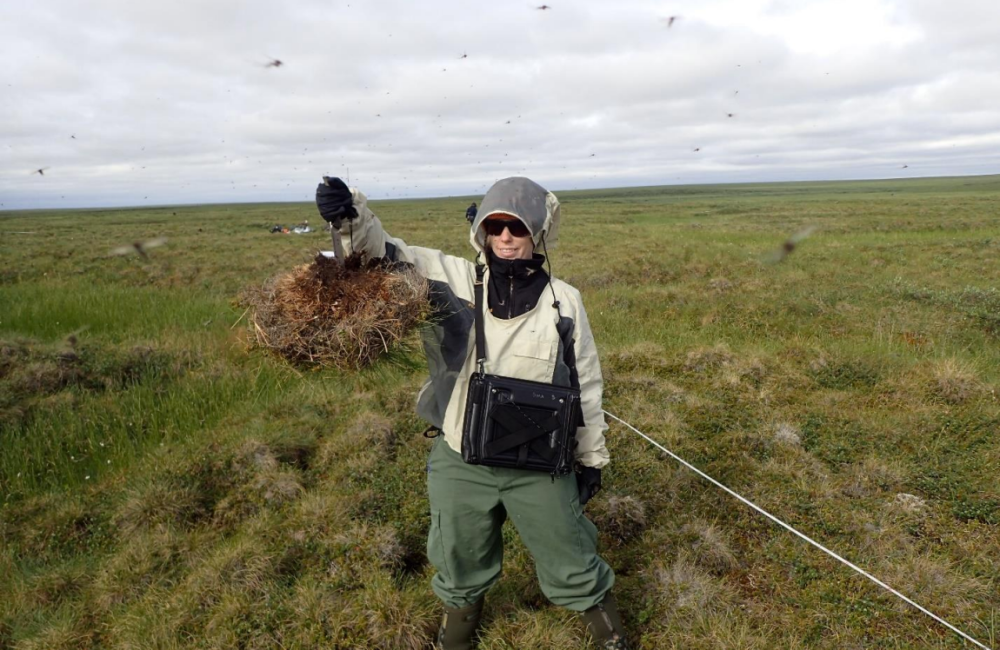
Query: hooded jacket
551	342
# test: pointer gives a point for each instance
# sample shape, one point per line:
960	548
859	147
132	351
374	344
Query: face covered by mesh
523	198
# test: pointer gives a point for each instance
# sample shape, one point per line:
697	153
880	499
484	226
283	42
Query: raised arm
361	231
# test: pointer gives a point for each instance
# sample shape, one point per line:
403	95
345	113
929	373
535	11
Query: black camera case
517	423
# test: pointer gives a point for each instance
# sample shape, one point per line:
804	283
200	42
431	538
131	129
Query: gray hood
522	198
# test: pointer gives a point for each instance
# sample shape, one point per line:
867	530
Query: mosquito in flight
790	244
140	247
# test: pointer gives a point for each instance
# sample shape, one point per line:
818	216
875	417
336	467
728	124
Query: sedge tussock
386	548
636	380
317	616
620	518
57	585
882	537
709	547
648	415
396	619
364	504
318	514
50	523
253	456
64	634
715	630
708	358
364	465
269	488
954	382
872	476
740	371
787	434
158	502
254	480
620	303
596	280
371	544
238	566
522	628
13	353
937	581
720	284
908	503
373	430
278	487
296	444
803	471
239	620
687	589
335	453
323	314
643	355
323	615
645	388
146	558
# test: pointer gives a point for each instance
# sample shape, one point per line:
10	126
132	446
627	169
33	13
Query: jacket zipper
510	298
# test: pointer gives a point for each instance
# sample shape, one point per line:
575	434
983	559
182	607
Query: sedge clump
344	316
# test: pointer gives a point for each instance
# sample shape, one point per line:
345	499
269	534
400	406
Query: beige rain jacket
545	344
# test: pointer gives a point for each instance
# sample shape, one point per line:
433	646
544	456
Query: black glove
588	481
334	200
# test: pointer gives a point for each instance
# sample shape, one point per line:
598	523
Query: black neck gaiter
515	286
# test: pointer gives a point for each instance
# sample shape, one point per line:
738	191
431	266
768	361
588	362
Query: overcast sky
134	102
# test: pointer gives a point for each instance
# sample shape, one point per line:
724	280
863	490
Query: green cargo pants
469	504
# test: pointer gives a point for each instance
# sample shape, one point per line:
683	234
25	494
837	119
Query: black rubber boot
605	624
458	626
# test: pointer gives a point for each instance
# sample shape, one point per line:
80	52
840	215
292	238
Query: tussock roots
323	314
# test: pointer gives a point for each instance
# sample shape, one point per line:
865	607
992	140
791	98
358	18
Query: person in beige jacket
535	329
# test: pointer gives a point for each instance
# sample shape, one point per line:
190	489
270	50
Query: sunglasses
494	227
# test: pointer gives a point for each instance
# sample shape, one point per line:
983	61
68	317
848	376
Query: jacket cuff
596	459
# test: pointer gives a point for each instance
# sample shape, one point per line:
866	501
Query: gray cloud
173	102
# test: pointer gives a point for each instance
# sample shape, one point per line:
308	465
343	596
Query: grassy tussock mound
330	315
195	497
35	376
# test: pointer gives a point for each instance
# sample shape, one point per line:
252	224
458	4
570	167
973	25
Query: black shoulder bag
514	422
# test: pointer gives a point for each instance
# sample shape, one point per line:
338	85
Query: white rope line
801	535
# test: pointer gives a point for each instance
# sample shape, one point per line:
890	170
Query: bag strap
480	326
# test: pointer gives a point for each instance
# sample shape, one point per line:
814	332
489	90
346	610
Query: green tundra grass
165	487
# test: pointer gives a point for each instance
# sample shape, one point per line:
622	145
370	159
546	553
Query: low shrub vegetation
167	485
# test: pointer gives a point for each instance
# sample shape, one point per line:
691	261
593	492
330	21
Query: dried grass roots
327	315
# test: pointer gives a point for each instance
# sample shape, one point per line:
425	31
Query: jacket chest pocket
533	359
